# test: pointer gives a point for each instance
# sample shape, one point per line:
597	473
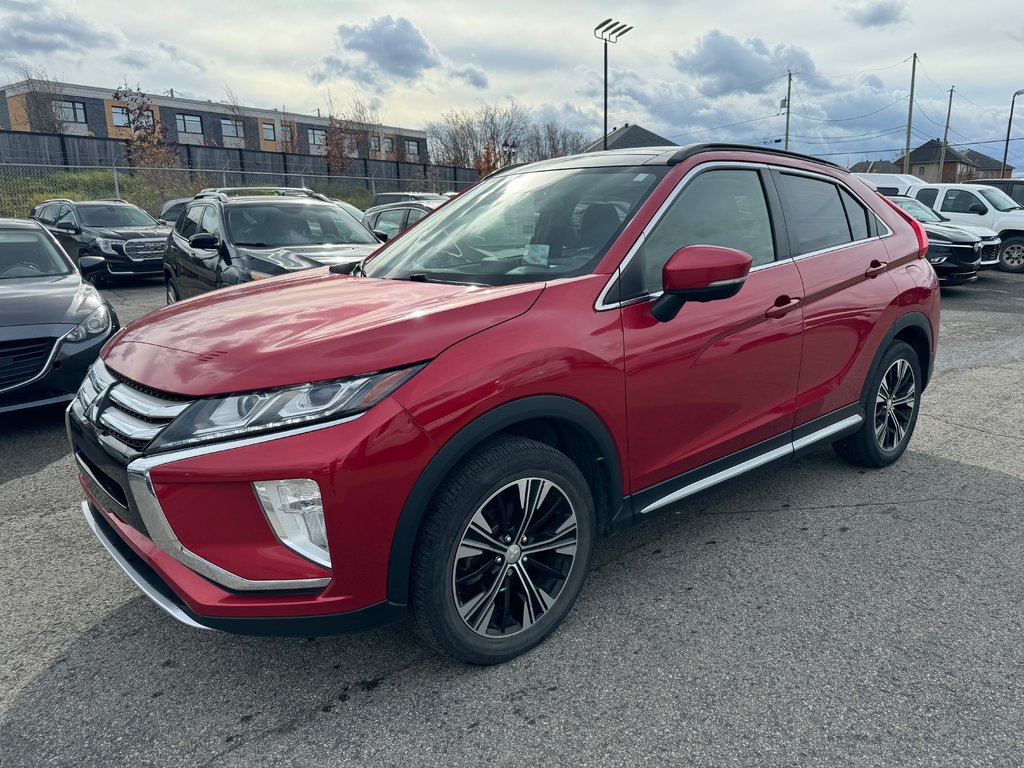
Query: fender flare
909	320
503	416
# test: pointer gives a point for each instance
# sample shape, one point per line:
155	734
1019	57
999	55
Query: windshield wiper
254	245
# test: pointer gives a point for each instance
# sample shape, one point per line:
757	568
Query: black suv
953	251
233	235
125	236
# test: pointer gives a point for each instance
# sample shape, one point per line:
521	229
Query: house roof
876	166
630	137
984	162
929	153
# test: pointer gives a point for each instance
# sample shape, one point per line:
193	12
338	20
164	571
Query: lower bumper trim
370	617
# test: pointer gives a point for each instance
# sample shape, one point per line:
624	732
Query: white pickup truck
980	206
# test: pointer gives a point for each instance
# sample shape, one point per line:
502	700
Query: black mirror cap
382	236
204	241
977	208
667	306
90	265
67	226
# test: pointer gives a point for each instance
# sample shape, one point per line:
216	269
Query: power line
863	71
900	149
716	94
719	127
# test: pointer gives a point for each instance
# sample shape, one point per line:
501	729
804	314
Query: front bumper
188	525
121	266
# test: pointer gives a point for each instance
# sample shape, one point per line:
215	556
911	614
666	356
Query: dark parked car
446	432
171	210
383	198
954	251
388	220
130	241
52	325
222	240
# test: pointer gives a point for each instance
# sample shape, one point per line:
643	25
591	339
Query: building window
375	143
920	170
387	145
189	123
232	129
317	137
70	111
286	134
268	132
119	117
412	147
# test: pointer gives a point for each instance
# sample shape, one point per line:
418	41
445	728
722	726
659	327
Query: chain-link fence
24	186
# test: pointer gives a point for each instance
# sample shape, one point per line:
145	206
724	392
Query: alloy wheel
894	405
514	557
172	295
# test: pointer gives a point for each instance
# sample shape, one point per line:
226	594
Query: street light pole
1009	125
608	31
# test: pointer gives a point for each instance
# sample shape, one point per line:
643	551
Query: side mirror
977	208
204	241
91	265
700	273
66	226
382	236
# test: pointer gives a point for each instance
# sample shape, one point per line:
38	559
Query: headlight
219	418
98	322
106	244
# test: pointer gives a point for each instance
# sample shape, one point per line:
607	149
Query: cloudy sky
688	71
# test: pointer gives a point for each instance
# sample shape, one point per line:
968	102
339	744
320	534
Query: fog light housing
296	513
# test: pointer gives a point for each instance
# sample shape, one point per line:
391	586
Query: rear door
849	296
722	375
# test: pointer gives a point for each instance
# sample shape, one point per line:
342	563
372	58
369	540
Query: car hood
294	258
46	300
309	326
948	233
982	232
128	233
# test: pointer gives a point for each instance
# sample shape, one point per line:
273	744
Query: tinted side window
46	212
855	213
725	208
815	216
65	213
959	201
188	224
211	221
390	222
928	196
1016	191
415	214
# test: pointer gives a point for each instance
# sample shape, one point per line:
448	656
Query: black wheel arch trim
484	426
909	320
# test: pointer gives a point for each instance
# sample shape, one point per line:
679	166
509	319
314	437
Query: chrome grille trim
144	248
145	404
124	424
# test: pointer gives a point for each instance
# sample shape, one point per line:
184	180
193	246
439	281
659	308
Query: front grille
966	254
22	360
989	252
144	249
130	414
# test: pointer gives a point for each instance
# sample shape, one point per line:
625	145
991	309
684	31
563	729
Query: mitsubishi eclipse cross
564	350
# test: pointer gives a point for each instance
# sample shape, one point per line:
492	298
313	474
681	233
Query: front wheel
1011	255
503	554
894	398
172	292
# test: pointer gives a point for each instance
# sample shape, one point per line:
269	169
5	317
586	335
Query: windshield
30	254
114	215
999	199
521	227
279	224
920	211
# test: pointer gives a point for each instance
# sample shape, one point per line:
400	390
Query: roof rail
223	193
685	153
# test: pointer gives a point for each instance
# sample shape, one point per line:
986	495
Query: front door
722	375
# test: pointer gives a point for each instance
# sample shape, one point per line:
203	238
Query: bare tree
42	101
287	138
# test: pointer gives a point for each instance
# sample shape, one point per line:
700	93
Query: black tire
172	296
893	402
454	588
1011	254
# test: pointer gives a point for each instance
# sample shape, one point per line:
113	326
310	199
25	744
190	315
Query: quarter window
725	208
189	123
815	216
857	216
232	129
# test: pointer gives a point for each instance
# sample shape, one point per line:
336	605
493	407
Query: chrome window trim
46	366
752	463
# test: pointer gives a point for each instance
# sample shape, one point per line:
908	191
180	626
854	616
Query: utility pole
945	135
910	116
1009	125
789	101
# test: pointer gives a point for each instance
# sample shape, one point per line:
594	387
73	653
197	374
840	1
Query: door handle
783	306
876	268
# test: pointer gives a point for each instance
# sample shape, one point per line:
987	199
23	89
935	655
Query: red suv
556	354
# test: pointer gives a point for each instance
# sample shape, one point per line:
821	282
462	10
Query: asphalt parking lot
813	615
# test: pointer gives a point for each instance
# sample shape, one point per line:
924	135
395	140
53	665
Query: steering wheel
27	266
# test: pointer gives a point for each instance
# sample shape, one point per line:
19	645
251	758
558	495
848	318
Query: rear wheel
503	554
1011	255
172	292
893	402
